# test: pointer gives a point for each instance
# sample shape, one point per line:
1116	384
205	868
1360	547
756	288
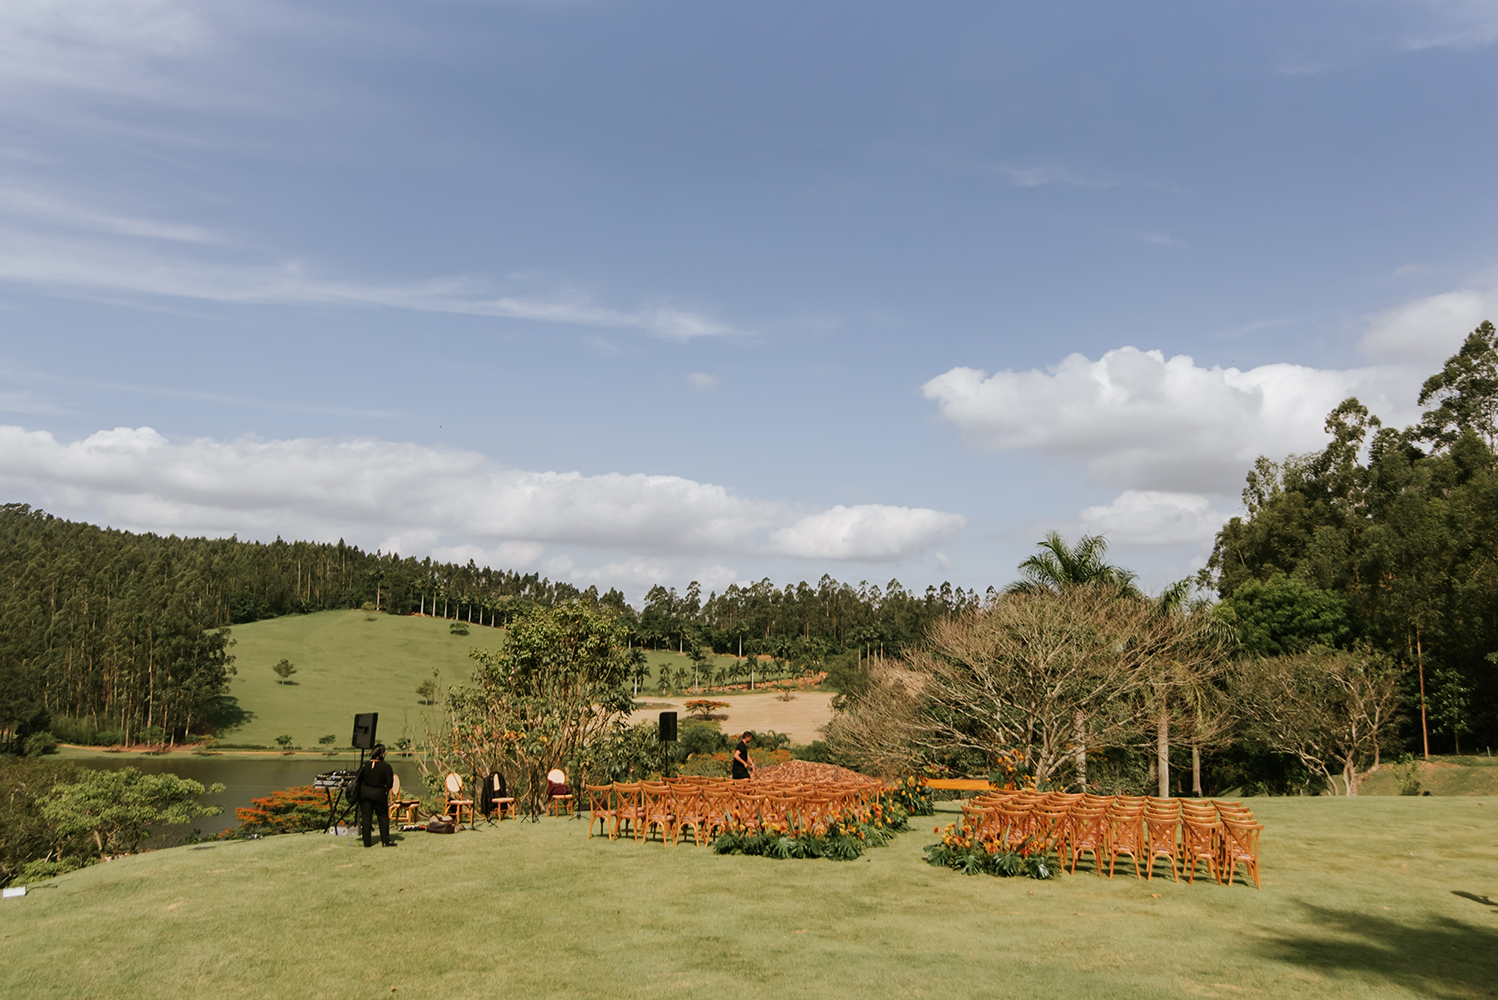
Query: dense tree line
798	621
132	631
1387	538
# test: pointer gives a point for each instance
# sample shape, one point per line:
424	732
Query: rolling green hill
348	663
345	663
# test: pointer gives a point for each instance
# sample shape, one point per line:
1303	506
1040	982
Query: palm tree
1060	567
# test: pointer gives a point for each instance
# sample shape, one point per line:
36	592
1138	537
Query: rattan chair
400	803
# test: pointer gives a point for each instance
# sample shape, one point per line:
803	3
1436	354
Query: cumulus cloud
1425	331
1152	517
416	499
1141	421
865	531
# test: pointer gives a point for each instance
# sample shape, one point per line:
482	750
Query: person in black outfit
743	764
375	781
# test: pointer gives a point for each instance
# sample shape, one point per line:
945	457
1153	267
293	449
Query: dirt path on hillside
800	718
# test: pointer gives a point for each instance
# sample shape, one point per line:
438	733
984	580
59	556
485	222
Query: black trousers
368	808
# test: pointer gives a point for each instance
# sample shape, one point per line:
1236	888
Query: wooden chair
556	804
600	808
1240	845
456	800
690	811
1089	833
498	799
1199	833
656	814
399	803
1161	835
627	809
718	810
1126	836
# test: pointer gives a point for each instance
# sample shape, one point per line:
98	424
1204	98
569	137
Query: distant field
347	664
1373	897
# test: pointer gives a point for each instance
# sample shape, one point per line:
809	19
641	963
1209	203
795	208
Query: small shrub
327	740
1407	773
458	628
40	744
284	670
285	741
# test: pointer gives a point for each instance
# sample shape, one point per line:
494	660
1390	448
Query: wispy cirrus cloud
62	263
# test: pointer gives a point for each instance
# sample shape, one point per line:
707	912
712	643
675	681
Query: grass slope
1362	898
345	664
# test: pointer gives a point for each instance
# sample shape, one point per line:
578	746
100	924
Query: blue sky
628	293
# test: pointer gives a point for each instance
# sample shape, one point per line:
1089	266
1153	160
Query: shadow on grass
226	714
1437	957
1485	901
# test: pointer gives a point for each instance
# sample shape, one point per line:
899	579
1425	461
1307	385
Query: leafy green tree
117	809
1464	391
427	691
284	740
284	670
560	682
1281	615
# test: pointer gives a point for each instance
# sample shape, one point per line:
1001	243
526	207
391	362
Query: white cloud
702	380
1461	24
1424	332
100	45
416	499
48	261
865	531
1043	176
1141	421
1151	517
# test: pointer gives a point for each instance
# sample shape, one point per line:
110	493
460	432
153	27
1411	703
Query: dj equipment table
339	788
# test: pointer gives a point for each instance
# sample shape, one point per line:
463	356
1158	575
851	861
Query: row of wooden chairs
1186	833
709	806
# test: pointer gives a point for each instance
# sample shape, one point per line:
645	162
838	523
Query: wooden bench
959	784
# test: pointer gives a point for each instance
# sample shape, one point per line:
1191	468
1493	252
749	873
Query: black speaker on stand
668	736
365	724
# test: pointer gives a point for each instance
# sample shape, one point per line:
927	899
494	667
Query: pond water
243	780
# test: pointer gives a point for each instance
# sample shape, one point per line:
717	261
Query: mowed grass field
1375	897
347	663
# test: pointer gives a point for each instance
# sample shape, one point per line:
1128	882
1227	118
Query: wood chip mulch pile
808	772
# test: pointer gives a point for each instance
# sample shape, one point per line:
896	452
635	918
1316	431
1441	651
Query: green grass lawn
1371	897
347	663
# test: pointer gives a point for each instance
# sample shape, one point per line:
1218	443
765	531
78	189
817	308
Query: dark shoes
390	844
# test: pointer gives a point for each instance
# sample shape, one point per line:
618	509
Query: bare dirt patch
800	718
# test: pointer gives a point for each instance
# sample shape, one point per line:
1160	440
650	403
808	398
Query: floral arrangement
913	796
961	851
843	840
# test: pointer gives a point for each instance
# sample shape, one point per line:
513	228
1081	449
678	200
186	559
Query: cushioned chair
558	794
456	800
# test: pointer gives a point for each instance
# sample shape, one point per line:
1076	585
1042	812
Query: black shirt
742	750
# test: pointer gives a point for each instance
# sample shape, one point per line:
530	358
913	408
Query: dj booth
343	807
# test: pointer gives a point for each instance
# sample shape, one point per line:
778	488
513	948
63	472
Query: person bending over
743	764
